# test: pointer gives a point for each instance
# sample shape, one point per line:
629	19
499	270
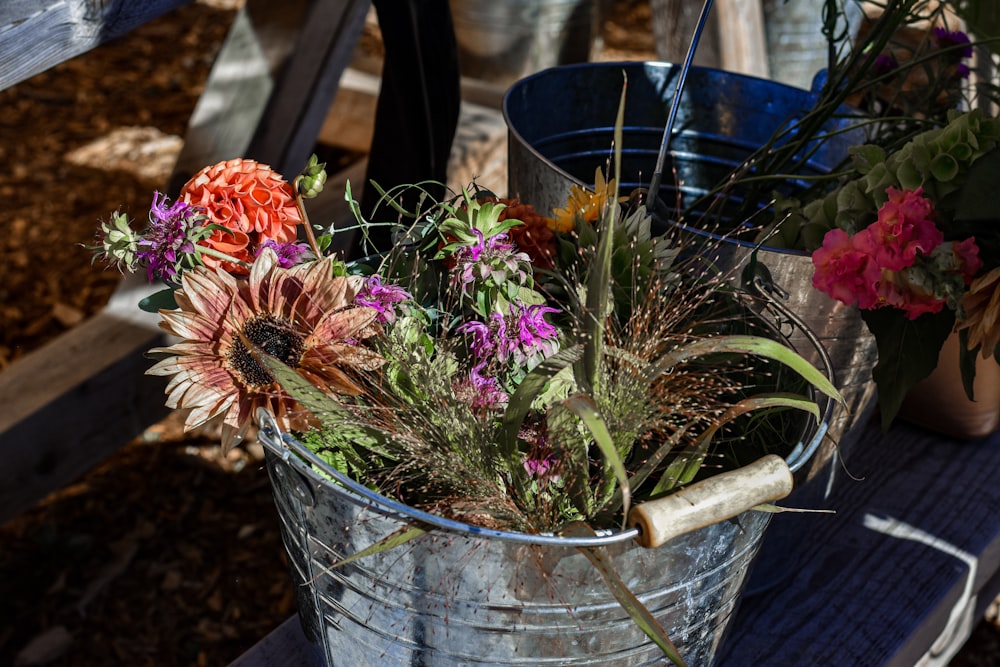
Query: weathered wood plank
308	83
742	47
272	84
350	122
286	645
38	34
71	403
74	401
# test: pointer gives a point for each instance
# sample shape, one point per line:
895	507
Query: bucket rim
292	452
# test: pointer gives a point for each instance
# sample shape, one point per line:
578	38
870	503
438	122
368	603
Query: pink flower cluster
874	267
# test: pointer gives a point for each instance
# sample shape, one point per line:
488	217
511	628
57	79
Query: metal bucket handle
709	501
757	281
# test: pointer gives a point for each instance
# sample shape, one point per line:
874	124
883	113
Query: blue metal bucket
560	128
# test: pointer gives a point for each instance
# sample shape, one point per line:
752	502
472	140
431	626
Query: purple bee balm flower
169	242
488	340
289	254
494	257
539	467
536	338
382	298
532	327
487	392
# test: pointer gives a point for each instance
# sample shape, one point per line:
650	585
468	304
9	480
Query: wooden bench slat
856	595
36	35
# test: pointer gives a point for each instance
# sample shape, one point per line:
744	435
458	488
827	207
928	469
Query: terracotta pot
939	403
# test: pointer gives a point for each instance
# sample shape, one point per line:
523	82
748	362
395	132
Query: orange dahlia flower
535	237
250	199
304	316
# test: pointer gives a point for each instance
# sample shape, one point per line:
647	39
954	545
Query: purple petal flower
166	245
532	327
946	38
883	64
489	340
289	254
539	467
495	258
382	298
487	392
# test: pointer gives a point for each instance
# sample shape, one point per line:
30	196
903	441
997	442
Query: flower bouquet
911	238
494	368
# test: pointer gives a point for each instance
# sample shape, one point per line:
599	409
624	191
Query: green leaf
642	617
743	344
944	167
154	302
583	406
533	383
907	352
391	541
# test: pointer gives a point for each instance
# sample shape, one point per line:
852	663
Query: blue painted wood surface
855	595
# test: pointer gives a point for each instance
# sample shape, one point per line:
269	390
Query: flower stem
205	250
305	219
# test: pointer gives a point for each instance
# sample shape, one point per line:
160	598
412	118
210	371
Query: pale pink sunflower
303	315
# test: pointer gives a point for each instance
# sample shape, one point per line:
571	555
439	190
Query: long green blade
599	277
629	602
742	344
391	541
583	406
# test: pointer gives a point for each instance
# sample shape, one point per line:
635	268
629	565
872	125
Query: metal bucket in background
462	594
500	42
560	124
796	47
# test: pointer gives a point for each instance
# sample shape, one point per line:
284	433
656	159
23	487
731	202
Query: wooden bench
73	402
898	576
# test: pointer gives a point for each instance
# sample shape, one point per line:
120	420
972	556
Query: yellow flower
583	205
982	312
303	316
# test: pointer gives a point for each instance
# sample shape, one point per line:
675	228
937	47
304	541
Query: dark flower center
275	338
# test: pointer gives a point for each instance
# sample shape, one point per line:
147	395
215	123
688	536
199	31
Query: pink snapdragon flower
905	226
846	273
901	260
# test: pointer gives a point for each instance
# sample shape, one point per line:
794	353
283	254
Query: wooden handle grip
709	501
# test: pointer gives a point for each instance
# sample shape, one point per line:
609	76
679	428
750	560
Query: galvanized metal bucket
464	595
560	125
500	42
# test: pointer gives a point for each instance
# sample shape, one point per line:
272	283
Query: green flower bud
312	178
119	243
